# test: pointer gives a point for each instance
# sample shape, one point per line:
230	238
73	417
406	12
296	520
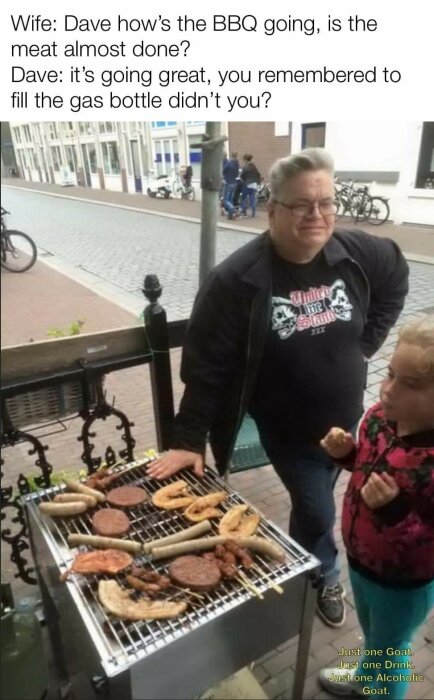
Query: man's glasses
326	208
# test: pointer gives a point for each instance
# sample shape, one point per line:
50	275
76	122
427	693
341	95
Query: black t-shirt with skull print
312	373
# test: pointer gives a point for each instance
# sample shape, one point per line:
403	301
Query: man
251	179
282	328
231	168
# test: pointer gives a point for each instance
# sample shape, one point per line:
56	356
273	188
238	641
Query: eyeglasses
326	208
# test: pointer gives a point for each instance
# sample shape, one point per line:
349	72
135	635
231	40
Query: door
136	166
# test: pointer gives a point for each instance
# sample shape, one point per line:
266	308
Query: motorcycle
159	186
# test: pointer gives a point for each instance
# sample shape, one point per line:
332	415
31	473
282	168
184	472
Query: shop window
425	167
71	158
56	158
110	158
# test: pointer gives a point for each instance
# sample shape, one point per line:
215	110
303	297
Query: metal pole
211	178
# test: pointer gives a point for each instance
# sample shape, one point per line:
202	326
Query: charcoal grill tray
121	644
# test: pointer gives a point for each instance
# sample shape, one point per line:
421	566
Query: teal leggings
389	618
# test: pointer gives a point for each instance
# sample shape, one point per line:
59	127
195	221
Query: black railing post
157	336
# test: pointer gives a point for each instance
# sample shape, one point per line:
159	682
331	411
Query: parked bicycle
352	200
182	186
263	194
183	190
18	251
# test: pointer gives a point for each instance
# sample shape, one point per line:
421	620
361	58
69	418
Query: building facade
396	159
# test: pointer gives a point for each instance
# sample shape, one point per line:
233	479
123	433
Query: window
110	158
17	134
195	156
52	131
68	129
162	125
85	128
71	158
425	166
56	158
27	135
107	127
313	135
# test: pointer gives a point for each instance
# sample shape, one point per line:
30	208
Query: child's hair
421	334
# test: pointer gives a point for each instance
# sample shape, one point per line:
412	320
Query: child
388	521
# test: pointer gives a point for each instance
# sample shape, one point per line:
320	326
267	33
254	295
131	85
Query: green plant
57	478
74	328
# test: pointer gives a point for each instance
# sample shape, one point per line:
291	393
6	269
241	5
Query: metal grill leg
304	638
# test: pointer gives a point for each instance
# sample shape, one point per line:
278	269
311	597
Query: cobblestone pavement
27	314
110	248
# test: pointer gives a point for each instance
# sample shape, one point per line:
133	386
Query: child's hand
337	443
379	490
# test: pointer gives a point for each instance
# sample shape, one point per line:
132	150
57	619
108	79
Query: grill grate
119	642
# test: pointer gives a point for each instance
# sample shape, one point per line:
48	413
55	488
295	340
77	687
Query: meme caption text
128	62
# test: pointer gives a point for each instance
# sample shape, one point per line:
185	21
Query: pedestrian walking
251	179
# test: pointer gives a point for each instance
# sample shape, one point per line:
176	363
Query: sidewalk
416	241
29	315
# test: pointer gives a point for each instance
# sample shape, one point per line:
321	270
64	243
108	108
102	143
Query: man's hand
174	460
337	443
379	490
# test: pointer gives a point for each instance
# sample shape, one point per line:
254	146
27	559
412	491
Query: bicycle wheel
177	189
360	207
18	252
380	211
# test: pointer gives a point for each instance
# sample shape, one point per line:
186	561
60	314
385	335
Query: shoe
329	679
330	605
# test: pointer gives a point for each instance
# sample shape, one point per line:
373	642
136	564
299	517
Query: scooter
158	186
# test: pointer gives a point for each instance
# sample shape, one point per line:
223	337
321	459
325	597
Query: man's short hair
310	159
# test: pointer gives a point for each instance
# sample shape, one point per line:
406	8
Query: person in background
388	518
231	168
281	329
251	179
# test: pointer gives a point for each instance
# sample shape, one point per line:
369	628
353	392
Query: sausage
61	510
74	497
174	550
258	544
262	545
81	488
105	543
188	533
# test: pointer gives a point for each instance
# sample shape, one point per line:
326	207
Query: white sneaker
329	678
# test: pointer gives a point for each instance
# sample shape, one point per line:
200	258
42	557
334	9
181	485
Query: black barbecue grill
220	632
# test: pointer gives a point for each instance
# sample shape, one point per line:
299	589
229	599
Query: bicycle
18	252
358	203
182	189
263	194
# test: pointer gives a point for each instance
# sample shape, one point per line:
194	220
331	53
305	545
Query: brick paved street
28	314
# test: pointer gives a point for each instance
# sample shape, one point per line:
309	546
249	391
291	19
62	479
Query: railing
52	379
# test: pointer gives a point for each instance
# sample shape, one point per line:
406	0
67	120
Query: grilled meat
194	572
176	495
127	496
110	522
118	602
106	561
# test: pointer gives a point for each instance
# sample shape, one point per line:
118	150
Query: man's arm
387	273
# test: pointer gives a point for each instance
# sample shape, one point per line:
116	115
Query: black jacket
231	318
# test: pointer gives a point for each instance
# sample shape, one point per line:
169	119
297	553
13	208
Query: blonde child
388	521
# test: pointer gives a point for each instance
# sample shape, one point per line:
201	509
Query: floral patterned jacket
394	543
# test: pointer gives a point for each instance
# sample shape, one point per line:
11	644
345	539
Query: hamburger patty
196	573
110	522
126	496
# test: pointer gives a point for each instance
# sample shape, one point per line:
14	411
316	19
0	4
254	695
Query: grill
184	656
